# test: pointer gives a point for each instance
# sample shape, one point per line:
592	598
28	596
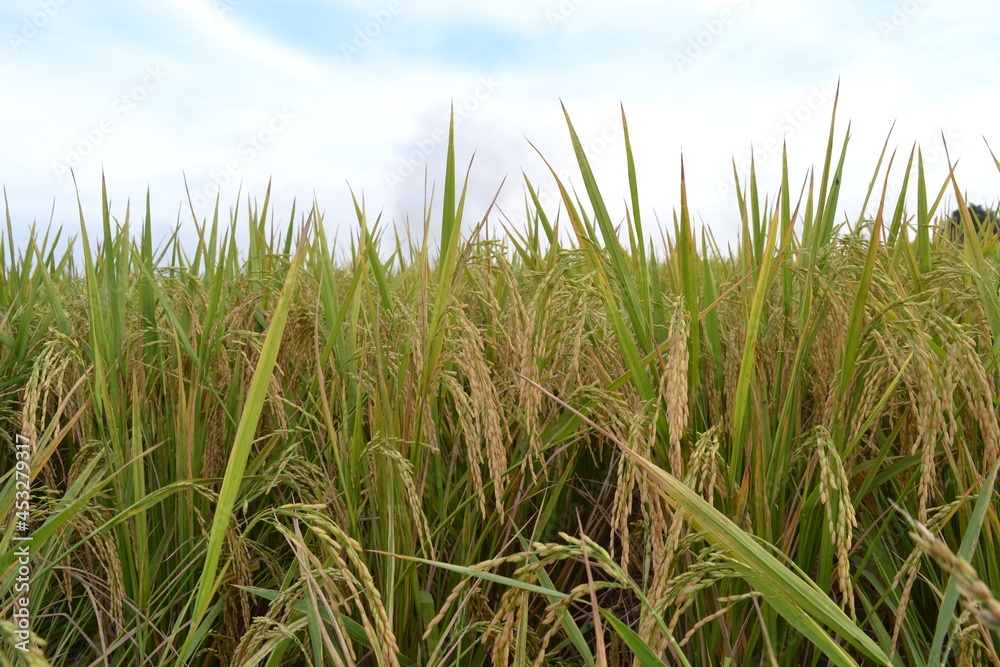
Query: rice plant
572	444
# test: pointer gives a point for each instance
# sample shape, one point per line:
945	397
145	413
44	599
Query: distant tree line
984	220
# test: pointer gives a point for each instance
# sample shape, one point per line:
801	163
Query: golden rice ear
835	494
676	376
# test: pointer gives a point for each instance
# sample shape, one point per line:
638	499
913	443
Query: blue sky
323	94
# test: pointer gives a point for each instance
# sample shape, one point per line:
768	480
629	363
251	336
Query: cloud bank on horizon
325	96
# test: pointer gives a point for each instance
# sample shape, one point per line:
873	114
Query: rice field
588	441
